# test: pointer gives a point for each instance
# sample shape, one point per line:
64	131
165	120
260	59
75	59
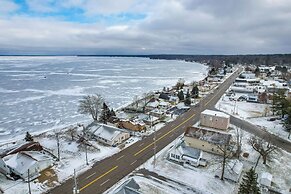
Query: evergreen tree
105	114
195	91
181	95
28	137
249	183
257	71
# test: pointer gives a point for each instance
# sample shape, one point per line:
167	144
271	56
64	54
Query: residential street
107	172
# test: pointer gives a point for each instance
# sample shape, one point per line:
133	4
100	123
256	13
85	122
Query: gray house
129	187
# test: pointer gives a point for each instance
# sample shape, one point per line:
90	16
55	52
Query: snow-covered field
41	93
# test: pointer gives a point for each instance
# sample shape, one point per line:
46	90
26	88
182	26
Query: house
148	119
266	179
253	98
129	187
214	119
27	146
186	155
207	140
164	96
33	161
232	172
164	105
107	134
152	105
4	168
157	113
131	125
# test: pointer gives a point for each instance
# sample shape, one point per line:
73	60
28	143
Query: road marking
119	157
133	162
90	175
98	178
140	151
159	133
140	144
172	135
104	182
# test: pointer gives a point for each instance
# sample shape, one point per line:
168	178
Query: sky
145	26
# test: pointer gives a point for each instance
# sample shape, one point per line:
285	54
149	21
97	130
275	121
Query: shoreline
6	139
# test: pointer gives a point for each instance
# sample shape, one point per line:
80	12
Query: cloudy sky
145	26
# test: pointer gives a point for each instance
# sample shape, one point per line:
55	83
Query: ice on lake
39	93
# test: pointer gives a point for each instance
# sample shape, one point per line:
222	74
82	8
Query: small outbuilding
266	179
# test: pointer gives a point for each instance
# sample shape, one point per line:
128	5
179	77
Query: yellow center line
98	178
140	151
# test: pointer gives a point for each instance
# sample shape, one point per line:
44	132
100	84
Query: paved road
257	131
107	172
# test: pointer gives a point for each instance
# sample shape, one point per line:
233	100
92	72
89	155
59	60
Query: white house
107	134
214	119
186	155
34	161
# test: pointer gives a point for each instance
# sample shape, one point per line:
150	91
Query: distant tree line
215	60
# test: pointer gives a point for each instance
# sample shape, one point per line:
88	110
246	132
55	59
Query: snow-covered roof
266	175
105	131
215	113
163	103
153	104
20	162
233	170
129	187
274	83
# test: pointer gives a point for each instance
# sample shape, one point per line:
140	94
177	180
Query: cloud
7	7
165	26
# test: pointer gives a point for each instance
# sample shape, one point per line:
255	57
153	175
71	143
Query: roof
105	131
20	162
129	187
266	175
215	113
187	151
211	136
233	170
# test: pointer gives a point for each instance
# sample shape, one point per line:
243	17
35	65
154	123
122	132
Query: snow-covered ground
40	93
72	157
202	179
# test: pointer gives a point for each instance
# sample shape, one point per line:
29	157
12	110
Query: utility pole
58	144
86	154
28	181
75	189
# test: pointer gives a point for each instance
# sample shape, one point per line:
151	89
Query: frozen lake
40	93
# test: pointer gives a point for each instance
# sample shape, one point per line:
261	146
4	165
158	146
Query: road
257	131
107	172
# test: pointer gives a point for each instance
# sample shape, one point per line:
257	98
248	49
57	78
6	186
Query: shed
266	179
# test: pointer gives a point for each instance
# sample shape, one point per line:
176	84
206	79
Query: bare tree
146	97
239	136
136	101
91	105
263	147
227	154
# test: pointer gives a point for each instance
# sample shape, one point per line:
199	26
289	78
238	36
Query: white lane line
90	175
133	162
159	133
140	144
119	157
104	182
